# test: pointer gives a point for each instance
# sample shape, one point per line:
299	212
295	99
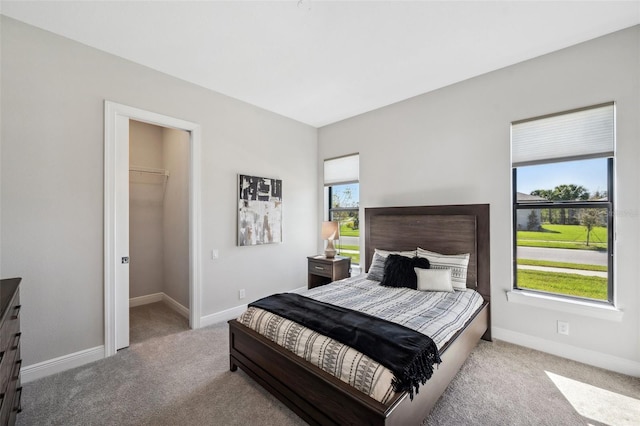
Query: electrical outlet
241	294
563	327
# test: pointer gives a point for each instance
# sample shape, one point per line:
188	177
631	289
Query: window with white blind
563	167
342	189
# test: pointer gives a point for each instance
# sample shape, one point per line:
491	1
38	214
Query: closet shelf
149	176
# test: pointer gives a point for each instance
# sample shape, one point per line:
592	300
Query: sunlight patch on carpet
598	404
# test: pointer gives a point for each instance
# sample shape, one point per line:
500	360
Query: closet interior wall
159	212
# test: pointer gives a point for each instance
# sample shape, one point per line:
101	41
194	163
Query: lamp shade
330	231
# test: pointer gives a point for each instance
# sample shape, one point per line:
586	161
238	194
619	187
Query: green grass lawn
562	283
355	257
570	237
564	236
347	231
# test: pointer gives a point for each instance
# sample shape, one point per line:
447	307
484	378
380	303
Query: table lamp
330	232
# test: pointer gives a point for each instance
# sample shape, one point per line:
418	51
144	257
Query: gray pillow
376	270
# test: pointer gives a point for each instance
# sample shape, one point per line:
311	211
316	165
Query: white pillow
458	264
434	279
385	253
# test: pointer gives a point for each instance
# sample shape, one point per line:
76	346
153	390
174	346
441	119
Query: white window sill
578	307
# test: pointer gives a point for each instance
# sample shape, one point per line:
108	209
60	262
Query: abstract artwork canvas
259	210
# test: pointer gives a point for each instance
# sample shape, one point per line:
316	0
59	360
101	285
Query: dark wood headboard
451	229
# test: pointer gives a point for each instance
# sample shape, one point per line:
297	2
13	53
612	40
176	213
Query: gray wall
452	146
146	215
175	225
53	92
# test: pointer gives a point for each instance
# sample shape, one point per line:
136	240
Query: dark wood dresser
10	361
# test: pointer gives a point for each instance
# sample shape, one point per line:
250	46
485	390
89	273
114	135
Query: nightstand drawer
318	268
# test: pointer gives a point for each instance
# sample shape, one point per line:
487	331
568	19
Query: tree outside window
345	209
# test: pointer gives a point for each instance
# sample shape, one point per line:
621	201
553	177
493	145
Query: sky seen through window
591	174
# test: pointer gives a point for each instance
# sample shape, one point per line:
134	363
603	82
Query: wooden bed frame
320	398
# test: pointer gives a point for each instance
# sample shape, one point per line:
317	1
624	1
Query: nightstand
323	271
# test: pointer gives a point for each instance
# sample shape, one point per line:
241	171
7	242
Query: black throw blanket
410	355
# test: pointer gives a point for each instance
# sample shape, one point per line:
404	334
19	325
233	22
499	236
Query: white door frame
112	146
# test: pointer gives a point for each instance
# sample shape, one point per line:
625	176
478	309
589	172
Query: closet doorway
158	230
152	187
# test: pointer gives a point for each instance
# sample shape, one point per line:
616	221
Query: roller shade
342	170
579	134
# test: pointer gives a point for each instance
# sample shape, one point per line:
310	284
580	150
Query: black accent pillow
398	271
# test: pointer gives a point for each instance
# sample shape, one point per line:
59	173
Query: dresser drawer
8	363
11	325
5	408
17	405
8	333
11	401
10	336
318	268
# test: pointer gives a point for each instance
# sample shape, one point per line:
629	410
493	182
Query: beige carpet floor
182	377
154	320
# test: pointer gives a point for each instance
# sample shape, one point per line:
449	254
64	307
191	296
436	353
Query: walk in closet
159	216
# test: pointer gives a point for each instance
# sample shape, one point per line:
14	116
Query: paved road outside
565	270
588	257
347	241
350	241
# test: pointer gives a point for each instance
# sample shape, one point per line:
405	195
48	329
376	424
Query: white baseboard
222	316
176	306
585	356
62	363
232	313
76	359
160	297
145	300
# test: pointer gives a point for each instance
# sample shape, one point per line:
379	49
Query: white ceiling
320	61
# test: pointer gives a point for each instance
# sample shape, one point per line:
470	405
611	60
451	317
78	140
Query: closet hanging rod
149	170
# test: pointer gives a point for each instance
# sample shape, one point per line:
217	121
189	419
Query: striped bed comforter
439	315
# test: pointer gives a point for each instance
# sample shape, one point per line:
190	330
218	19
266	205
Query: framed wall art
259	210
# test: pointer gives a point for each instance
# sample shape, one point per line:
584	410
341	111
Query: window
563	167
342	202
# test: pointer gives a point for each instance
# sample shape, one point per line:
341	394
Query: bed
320	398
